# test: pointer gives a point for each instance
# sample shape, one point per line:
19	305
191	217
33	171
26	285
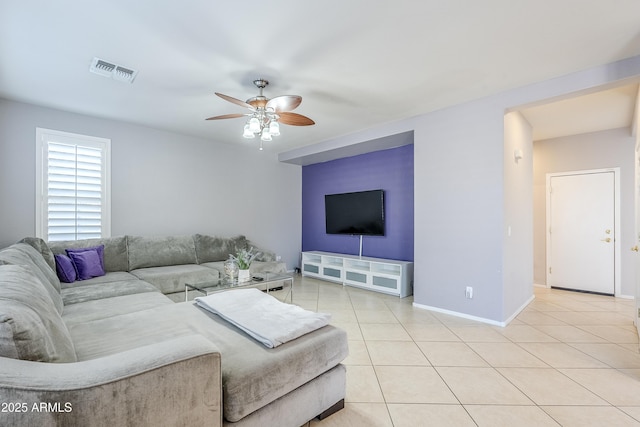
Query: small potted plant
244	258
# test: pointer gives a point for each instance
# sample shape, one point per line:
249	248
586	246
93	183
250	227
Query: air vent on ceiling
114	71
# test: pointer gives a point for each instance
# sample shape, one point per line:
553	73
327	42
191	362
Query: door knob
608	239
635	248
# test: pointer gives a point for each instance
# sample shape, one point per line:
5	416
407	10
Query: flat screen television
359	213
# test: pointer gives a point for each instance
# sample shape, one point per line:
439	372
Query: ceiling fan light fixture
274	128
254	125
247	132
266	136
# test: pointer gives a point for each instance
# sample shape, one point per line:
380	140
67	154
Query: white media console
377	274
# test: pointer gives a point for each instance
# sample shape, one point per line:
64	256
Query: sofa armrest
175	382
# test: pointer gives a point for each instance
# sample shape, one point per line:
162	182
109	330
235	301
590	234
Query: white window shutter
75	188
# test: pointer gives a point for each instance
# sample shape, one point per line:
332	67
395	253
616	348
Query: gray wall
162	183
598	150
518	209
469	192
459	214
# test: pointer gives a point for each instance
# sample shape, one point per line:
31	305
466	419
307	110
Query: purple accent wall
390	170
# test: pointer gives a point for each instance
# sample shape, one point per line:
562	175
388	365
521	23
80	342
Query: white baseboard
519	310
458	314
476	318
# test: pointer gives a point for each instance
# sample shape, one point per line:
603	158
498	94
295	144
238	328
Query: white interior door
582	232
637	233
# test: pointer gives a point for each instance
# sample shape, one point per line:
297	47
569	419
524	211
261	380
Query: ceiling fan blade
295	119
284	103
226	116
235	101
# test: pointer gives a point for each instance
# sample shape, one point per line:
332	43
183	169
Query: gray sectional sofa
117	350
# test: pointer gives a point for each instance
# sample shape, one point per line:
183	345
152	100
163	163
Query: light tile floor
568	359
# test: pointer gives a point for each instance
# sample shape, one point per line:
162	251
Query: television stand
377	274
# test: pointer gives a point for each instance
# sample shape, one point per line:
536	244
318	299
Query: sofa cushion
65	269
78	294
216	265
41	246
252	374
115	250
40	263
88	262
268	267
212	248
31	328
24	254
112	276
160	251
256	267
264	255
109	307
170	279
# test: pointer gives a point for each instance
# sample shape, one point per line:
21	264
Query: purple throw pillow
65	269
88	262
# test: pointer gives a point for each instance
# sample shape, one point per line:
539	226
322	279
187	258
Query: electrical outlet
469	292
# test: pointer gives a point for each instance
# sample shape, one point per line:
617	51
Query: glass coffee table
269	282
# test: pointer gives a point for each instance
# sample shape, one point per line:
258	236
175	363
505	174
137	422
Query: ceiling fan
266	114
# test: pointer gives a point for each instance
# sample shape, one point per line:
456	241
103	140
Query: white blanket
262	316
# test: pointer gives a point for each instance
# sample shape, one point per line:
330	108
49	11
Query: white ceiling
356	63
603	110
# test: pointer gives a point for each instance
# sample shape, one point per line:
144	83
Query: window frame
43	137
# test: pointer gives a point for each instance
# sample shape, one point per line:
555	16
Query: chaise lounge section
116	349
